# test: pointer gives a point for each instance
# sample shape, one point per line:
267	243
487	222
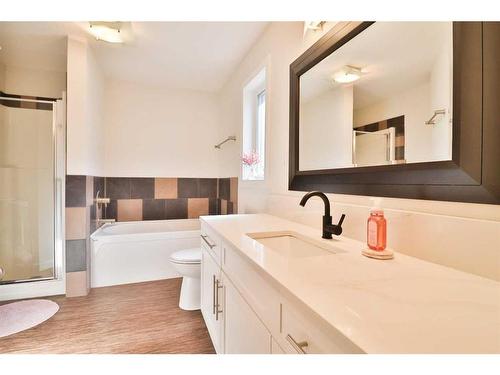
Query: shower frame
44	286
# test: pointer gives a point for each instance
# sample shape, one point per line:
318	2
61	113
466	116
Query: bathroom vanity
274	286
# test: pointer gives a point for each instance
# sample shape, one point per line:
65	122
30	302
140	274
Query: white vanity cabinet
245	314
244	332
211	298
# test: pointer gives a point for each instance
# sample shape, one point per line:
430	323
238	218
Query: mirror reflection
382	98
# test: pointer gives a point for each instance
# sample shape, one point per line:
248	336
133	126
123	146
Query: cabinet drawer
256	290
211	242
304	333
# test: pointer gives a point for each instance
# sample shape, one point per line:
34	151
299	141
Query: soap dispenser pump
376	234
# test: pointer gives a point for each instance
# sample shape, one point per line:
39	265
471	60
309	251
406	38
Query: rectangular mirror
383	98
398	109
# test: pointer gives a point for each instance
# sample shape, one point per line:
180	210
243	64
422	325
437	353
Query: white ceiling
188	55
396	56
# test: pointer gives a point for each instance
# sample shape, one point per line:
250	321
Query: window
254	128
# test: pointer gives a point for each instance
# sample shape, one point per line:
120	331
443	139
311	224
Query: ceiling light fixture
313	25
347	74
106	31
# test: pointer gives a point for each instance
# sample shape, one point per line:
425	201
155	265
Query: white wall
326	130
154	131
84	111
441	98
414	105
460	235
23	81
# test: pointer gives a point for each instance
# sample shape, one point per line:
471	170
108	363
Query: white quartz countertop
402	305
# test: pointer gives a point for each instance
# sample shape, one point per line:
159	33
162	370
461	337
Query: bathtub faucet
104	221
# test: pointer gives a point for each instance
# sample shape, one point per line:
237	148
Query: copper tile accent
165	188
129	210
88	210
223	207
90	190
76	284
197	207
400	141
76	223
233	189
30	105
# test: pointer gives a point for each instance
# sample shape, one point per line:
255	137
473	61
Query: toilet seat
187	256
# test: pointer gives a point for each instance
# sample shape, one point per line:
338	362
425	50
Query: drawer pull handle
213	295
206	241
298	346
217	304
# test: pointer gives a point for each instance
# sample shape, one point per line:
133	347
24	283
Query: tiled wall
79	226
398	123
135	199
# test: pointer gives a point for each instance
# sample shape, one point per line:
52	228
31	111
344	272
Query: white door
244	333
210	298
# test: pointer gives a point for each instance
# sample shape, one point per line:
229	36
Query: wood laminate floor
133	318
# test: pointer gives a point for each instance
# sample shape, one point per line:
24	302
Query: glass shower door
27	191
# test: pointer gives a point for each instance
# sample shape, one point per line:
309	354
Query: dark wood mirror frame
473	174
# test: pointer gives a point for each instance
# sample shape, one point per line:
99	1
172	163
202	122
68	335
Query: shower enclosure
31	196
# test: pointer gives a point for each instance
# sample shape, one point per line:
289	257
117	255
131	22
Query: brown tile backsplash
224	188
208	188
117	187
176	208
187	188
149	198
76	195
142	188
153	209
133	199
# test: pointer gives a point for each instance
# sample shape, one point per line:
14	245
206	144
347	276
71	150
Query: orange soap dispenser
376	234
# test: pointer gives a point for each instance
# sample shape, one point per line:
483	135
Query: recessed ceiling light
347	74
106	31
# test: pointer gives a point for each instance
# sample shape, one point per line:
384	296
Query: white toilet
188	264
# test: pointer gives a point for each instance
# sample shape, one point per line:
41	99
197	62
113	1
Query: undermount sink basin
293	245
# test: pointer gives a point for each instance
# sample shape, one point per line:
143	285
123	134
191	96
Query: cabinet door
210	293
244	332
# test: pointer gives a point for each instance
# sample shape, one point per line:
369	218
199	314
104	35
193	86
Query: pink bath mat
19	316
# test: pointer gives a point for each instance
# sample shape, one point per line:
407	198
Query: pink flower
250	159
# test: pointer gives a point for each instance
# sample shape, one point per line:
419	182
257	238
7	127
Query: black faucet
328	227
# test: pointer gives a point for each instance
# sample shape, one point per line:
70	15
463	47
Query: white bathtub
132	252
